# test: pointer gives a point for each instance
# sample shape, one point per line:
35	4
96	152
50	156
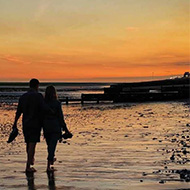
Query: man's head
34	83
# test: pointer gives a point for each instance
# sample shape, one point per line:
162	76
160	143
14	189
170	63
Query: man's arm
18	113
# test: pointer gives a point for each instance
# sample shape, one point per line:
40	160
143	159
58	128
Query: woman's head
50	93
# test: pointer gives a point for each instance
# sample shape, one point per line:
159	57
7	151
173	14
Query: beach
120	71
115	146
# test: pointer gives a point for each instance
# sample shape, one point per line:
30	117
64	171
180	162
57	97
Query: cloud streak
182	64
14	59
70	64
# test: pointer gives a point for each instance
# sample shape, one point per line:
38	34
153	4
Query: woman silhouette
54	123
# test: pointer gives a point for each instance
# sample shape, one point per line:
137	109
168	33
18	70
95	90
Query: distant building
186	75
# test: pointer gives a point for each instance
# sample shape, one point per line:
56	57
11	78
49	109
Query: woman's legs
51	140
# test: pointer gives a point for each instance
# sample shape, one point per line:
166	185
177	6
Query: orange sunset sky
93	40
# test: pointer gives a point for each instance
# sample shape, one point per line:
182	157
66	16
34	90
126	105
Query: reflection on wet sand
51	180
30	180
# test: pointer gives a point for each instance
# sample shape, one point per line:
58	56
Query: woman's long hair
50	93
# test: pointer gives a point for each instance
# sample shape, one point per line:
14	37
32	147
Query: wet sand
115	146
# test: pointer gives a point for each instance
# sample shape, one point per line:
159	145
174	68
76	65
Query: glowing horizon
61	40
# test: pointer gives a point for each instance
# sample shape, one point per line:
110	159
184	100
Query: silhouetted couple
38	113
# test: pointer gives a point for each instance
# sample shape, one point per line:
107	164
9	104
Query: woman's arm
61	119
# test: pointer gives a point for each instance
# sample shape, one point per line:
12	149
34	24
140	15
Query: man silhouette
31	105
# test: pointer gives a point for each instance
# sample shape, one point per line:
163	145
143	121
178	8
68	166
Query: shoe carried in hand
13	134
67	135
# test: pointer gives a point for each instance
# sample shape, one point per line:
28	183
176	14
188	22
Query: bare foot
33	162
51	169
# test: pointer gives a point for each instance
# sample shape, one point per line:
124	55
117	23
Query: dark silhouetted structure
160	90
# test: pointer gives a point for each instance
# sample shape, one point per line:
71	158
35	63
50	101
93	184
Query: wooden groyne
87	98
162	90
69	100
